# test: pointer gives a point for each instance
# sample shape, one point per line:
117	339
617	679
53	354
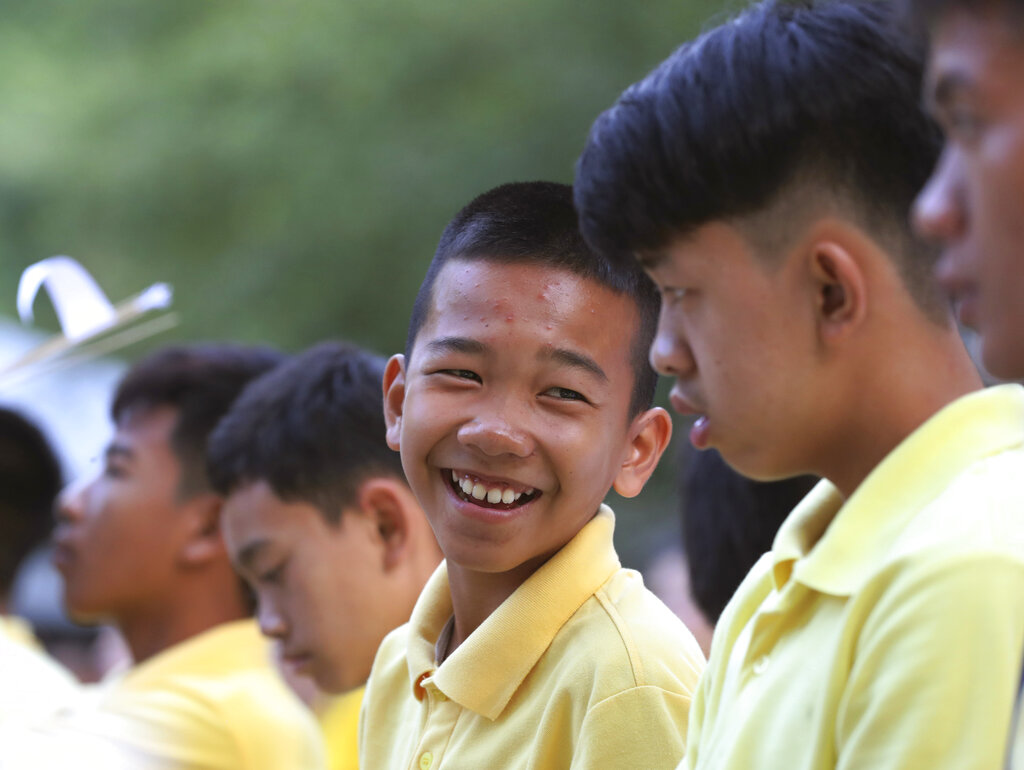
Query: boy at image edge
522	398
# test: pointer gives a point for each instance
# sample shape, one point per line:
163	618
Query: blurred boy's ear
648	437
201	530
394	396
391	507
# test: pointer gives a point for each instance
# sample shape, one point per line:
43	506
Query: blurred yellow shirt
213	702
31	682
339	722
884	632
580	667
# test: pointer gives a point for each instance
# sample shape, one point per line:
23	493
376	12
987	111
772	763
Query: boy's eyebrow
456	345
650	260
574	360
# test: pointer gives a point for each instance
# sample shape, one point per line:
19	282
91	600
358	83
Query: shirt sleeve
935	668
640	727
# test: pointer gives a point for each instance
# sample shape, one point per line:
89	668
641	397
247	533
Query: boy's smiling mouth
488	494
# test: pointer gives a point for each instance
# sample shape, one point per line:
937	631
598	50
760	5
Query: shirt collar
833	547
485	671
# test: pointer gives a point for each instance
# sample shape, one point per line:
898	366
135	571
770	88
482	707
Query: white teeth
494	495
467	486
479	491
455	477
508	496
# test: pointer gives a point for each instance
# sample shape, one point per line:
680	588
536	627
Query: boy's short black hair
313	429
535	223
803	103
200	382
729	521
30	480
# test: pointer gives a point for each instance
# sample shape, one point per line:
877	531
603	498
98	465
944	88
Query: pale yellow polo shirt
580	667
885	632
213	702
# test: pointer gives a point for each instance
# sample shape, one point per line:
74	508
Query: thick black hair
535	223
729	521
200	382
313	429
30	480
814	102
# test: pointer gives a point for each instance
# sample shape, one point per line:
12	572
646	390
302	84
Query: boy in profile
522	398
320	521
763	176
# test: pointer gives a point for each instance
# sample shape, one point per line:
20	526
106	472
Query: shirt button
426	760
761	665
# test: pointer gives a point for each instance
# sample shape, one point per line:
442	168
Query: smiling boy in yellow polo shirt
763	175
521	400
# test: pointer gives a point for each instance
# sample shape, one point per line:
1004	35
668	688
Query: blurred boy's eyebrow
649	260
456	345
574	360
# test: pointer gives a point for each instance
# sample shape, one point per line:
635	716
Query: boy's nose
271	621
495	435
939	213
670	354
70	503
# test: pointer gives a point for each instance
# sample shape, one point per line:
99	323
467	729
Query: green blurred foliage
288	166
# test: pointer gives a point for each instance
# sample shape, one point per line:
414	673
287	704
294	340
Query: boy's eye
961	123
566	394
462	374
672	294
114	471
272	575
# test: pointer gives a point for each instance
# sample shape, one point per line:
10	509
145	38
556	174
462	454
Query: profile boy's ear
840	284
389	505
203	540
648	438
394	398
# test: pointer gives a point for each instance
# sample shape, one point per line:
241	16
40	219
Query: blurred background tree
288	166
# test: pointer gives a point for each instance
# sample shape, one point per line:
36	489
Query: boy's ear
386	502
649	436
203	540
394	398
840	290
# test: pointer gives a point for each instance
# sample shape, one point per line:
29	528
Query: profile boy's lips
681	404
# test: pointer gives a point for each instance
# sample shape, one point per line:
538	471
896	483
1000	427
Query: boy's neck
894	399
476	595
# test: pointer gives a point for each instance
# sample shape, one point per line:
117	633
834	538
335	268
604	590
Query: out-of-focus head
972	204
30	478
729	521
124	536
318	516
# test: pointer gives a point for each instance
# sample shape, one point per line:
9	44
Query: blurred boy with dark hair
319	519
729	522
762	175
140	545
30	478
523	397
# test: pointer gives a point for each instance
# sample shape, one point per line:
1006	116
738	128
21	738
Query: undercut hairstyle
729	521
789	111
30	480
200	382
535	223
313	429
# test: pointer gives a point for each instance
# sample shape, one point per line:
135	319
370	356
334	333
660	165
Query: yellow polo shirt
213	702
883	632
580	667
339	720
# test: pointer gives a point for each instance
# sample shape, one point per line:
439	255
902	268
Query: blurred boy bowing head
974	202
523	397
319	518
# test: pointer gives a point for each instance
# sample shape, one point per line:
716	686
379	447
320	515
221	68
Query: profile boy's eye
271	576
